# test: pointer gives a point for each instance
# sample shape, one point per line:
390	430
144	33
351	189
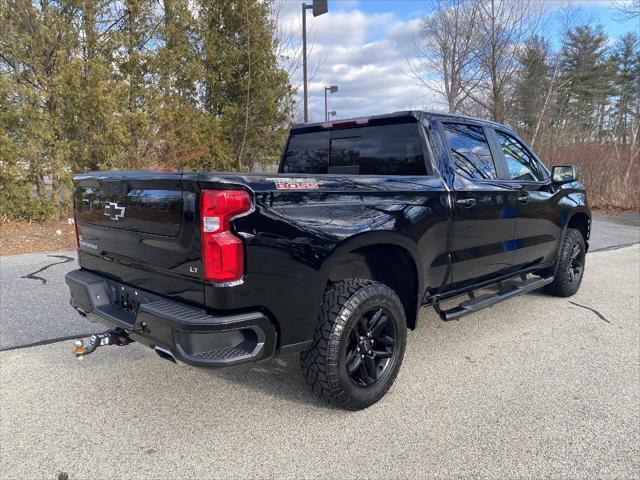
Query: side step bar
507	289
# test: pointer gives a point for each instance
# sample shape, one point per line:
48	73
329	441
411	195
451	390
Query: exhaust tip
166	354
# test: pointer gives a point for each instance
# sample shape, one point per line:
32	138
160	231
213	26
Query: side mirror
564	174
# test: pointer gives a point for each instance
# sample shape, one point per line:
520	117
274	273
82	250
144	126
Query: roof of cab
355	121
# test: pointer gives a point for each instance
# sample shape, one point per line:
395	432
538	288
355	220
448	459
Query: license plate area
125	299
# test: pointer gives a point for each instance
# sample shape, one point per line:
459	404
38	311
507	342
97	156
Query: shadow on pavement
278	377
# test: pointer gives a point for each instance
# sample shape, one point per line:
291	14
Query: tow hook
117	337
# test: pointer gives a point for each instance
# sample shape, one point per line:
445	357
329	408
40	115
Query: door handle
523	198
466	202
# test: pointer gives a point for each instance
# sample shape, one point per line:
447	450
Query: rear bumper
190	334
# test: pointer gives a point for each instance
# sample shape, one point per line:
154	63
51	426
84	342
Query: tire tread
562	285
320	362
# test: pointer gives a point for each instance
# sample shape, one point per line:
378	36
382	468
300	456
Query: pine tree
588	75
244	86
100	135
260	85
136	33
532	85
37	43
182	136
626	57
98	84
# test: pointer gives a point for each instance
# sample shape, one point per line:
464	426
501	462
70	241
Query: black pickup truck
366	221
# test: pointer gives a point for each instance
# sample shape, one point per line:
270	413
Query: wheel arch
386	258
581	221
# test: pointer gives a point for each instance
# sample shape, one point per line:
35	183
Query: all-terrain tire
571	262
346	304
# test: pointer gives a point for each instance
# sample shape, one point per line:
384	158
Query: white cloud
365	55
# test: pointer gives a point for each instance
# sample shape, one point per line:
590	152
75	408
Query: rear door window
470	151
394	149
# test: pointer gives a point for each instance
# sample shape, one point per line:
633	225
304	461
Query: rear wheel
358	344
571	262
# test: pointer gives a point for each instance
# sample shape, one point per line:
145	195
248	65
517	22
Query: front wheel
571	261
358	345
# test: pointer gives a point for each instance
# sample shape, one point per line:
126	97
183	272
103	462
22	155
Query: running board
506	290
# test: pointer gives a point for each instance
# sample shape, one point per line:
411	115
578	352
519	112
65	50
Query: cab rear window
394	149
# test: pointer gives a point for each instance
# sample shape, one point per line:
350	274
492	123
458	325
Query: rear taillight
222	251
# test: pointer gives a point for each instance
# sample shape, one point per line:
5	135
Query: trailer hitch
116	337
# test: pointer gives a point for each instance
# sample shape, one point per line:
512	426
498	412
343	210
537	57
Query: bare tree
445	50
503	26
568	17
626	9
288	49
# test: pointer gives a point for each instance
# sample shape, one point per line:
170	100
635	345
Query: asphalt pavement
534	387
34	299
614	232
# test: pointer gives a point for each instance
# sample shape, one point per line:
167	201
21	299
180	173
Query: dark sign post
318	7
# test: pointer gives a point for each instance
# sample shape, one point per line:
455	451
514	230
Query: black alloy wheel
358	345
576	263
570	267
372	343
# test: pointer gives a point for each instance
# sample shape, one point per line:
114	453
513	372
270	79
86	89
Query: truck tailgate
141	228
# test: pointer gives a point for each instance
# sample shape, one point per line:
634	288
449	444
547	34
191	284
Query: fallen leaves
27	237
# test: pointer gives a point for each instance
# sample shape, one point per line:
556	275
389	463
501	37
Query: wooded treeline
196	84
163	84
568	89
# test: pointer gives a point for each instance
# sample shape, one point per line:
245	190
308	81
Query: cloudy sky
362	46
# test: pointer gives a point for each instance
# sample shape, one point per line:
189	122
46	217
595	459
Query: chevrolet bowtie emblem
114	211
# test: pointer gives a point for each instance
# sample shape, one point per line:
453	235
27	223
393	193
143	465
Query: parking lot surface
534	387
